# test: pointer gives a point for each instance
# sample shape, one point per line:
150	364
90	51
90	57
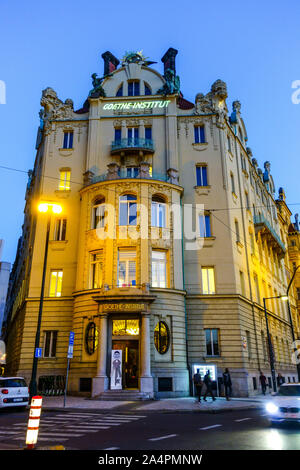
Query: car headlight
271	408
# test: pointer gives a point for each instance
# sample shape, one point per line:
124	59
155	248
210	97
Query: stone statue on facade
97	84
214	101
54	108
172	85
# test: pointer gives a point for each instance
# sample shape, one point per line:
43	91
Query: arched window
134	88
158	212
148	90
128	210
98	216
162	337
91	338
120	90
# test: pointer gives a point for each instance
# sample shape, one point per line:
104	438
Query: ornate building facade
169	238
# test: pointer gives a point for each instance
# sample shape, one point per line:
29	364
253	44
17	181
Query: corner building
125	270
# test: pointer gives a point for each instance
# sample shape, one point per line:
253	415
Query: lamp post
290	315
271	352
48	208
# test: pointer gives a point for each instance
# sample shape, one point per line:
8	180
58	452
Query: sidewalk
167	404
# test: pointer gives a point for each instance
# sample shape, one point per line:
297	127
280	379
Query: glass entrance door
130	362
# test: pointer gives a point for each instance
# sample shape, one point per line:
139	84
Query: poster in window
116	370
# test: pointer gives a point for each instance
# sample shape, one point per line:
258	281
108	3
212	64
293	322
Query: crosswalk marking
240	420
210	427
162	437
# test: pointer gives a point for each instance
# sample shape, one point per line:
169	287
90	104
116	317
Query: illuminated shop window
127	268
55	283
98	216
158	212
159	268
50	341
96	269
91	338
134	88
162	337
126	327
68	140
212	342
60	229
208	281
64	180
128	210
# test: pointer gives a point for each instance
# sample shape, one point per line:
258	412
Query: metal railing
132	143
261	220
122	174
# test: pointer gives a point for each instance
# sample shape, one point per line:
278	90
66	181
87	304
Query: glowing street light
48	208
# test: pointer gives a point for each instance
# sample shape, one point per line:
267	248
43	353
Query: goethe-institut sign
138	105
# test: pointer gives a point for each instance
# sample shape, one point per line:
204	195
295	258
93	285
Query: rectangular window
201	175
128	210
96	270
60	229
127	268
204	226
159	268
148	133
50	341
232	183
64	180
132	172
208	281
212	342
134	88
68	140
133	135
158	214
199	134
118	134
55	283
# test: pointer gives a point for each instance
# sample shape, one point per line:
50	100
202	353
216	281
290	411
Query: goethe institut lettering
169	238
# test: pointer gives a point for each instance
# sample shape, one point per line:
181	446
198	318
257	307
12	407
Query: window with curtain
98	216
64	180
60	229
55	283
208	280
128	209
96	269
126	268
158	212
159	268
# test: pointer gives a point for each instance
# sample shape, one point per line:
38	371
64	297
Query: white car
285	405
13	392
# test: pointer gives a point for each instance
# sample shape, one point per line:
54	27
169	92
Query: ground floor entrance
130	362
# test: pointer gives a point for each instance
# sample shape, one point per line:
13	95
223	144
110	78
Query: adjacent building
4	278
169	238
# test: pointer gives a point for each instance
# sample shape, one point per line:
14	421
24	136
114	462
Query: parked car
13	392
285	405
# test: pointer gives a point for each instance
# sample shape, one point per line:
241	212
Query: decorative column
146	379
100	382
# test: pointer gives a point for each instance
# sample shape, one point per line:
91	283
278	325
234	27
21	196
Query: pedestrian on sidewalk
227	384
208	383
280	379
198	384
263	382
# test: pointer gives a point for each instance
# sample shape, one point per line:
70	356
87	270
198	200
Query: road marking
129	416
244	419
87	428
111	448
48	439
9	432
54	434
162	437
211	427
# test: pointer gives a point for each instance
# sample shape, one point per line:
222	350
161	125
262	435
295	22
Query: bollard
33	422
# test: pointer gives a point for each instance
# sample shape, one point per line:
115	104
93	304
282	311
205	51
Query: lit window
159	268
55	283
208	281
201	174
199	134
204	226
64	181
68	140
60	229
134	88
127	268
158	212
96	270
125	327
50	341
91	338
162	337
98	217
212	342
128	210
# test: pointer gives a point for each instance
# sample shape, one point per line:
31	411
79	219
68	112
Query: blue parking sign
38	352
71	338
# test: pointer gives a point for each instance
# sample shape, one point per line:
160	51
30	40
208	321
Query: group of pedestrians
207	381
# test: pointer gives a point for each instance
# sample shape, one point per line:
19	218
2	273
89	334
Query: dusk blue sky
254	46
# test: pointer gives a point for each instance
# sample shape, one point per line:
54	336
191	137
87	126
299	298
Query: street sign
71	345
38	352
71	338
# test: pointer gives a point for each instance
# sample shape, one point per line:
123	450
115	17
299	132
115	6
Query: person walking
263	382
198	384
280	379
208	383
227	384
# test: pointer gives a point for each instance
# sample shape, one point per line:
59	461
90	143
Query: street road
134	430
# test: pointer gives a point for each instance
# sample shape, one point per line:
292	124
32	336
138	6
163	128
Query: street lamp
49	208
